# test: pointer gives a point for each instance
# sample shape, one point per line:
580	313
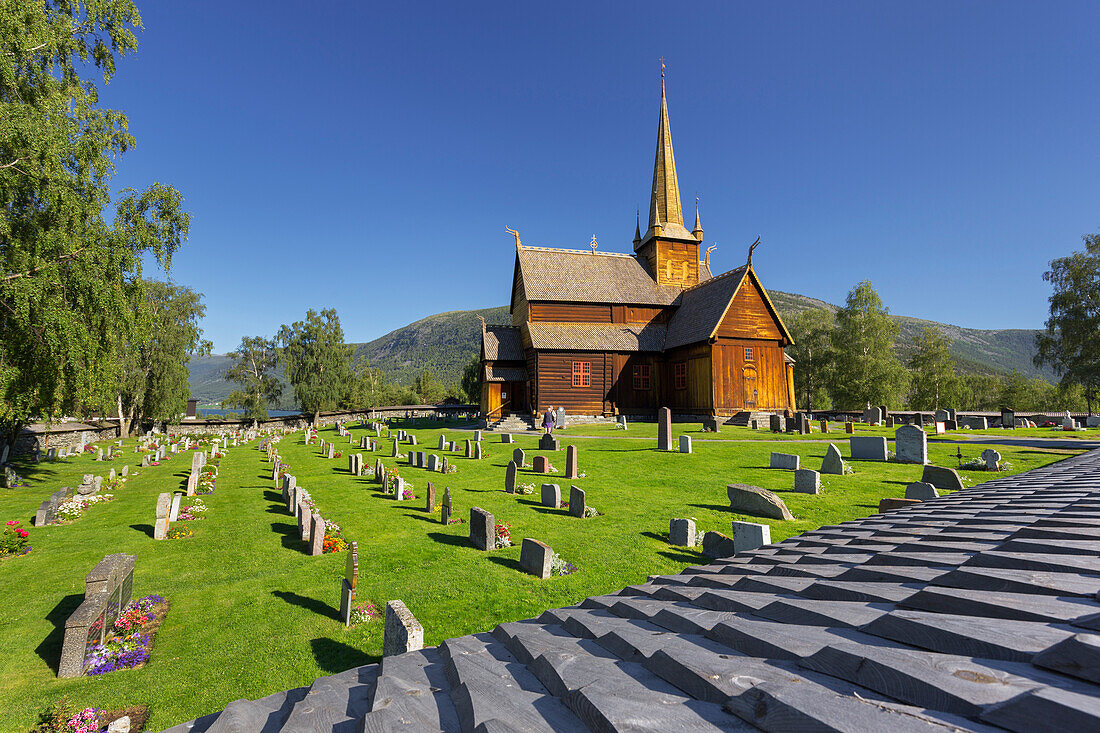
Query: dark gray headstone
942	478
519	457
535	557
510	477
664	429
401	632
548	442
551	495
483	534
755	501
576	501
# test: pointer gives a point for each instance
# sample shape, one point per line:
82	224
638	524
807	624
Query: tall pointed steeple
666	216
697	231
637	229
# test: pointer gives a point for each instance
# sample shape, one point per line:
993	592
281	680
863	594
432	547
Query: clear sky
367	156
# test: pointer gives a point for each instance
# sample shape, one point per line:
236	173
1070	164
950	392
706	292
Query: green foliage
813	354
154	380
318	363
67	274
865	367
471	380
933	382
1071	342
253	367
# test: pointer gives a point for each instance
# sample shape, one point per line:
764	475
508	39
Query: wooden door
748	378
492	400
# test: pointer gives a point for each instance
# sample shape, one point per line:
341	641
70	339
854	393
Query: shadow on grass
715	507
656	536
291	537
550	510
333	656
684	557
450	539
310	604
425	517
50	648
146	528
274	496
506	562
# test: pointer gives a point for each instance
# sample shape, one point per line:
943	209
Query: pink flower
22	533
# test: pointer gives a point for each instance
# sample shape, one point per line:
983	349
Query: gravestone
890	421
911	444
331	450
8	479
542	464
711	424
716	545
99	454
51	455
83	629
398	488
317	535
559	420
824	426
775	423
173	515
443	465
664	429
992	459
576	502
469	449
685	444
535	557
571	462
850	427
429	498
477	436
807	481
549	442
921	491
4	454
868	448
950	425
833	464
551	495
395	452
518	456
941	428
442	443
433	462
477	451
445	507
891	503
1092	421
803	424
622	421
160	529
942	478
941	415
483	533
305	522
784	461
510	477
144	460
507	438
872	415
755	501
412	440
111	476
1008	418
750	536
401	632
681	532
125	471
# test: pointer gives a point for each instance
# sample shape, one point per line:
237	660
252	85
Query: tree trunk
123	421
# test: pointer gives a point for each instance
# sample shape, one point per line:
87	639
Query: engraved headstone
576	501
992	459
549	442
785	461
542	464
429	498
445	507
685	444
911	444
571	469
750	536
317	535
160	528
868	448
483	534
551	495
519	457
681	532
807	481
510	477
535	557
664	429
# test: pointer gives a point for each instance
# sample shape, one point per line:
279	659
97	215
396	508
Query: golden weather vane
593	244
515	234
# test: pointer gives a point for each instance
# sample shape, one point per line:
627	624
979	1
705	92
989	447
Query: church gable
750	314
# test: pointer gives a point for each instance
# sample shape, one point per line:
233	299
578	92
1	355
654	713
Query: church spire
697	231
665	213
637	228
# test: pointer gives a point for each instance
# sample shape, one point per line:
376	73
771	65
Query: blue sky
368	156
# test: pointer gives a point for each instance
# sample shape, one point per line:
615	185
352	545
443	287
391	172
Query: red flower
22	533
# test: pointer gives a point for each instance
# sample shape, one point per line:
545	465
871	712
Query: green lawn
253	614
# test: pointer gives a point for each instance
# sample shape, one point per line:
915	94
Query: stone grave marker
477	436
395	450
173	515
664	429
942	478
443	465
941	428
559	422
921	491
412	440
99	454
518	456
872	415
890	421
807	481
126	470
317	535
785	461
868	448
576	502
305	525
401	632
160	529
571	462
507	438
442	443
850	427
685	444
477	451
433	462
681	532
889	504
950	425
429	498
144	460
445	510
551	496
111	476
84	628
510	477
469	449
542	464
750	536
716	544
349	583
911	444
535	557
992	459
398	488
755	501
622	421
775	423
711	424
483	533
549	442
330	450
833	464
1008	418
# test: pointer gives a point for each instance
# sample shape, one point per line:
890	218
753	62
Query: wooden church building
602	333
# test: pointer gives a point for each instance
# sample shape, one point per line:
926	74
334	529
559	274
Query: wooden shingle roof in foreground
975	611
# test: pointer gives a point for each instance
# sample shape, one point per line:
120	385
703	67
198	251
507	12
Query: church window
680	375
748	353
582	374
668	269
683	271
641	376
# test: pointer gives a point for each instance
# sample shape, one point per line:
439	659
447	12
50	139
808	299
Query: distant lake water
218	412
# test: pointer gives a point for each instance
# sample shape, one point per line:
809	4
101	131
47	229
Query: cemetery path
975	610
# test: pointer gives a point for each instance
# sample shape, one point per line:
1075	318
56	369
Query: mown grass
252	613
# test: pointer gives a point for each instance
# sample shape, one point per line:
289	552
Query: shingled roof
497	373
701	309
597	336
974	611
585	277
502	343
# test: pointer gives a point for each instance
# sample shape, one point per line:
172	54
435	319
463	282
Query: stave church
604	333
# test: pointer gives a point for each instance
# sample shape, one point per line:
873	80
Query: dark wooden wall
571	312
555	381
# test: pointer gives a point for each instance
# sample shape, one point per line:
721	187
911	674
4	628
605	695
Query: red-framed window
641	376
680	375
748	353
582	374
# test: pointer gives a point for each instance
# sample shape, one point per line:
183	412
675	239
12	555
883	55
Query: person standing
548	420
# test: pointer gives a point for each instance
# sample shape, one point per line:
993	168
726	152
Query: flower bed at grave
558	566
131	639
525	489
180	533
208	479
364	613
14	542
74	508
407	493
334	538
504	535
19	481
192	511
